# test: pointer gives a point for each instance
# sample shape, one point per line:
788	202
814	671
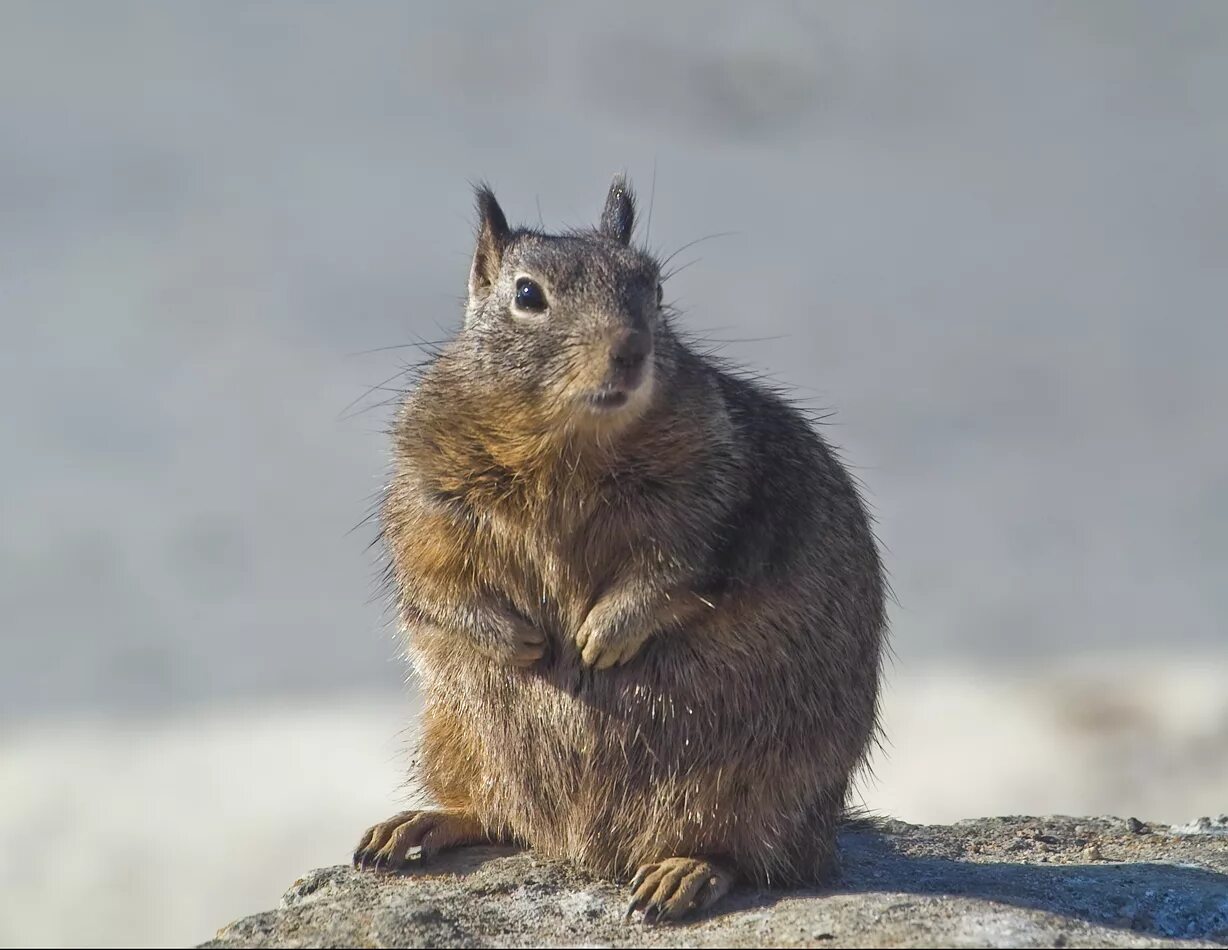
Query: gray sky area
992	238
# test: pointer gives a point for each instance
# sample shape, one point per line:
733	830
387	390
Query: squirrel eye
530	296
660	295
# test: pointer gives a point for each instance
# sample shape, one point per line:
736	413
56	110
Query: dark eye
530	296
660	295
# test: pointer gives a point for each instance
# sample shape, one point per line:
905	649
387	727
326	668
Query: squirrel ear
618	218
493	233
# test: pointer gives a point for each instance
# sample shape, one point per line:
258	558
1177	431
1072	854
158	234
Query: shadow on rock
1160	900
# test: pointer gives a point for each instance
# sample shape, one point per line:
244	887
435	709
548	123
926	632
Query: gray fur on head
598	291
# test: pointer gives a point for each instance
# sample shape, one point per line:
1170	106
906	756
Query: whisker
681	268
383	403
652	200
398	346
706	237
376	388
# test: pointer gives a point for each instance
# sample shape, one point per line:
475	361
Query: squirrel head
568	325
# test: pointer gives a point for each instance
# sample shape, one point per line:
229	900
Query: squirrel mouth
618	391
608	399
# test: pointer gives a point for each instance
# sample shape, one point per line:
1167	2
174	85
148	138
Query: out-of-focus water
991	237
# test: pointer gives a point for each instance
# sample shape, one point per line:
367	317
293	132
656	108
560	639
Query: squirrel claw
671	889
527	653
520	645
386	847
602	649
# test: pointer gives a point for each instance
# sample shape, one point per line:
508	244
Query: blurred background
991	238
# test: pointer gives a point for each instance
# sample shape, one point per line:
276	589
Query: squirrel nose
629	348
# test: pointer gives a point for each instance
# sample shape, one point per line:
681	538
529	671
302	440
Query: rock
1203	826
994	882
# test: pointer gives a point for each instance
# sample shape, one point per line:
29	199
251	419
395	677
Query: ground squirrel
641	593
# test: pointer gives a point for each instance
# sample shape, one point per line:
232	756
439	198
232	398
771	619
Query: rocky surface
997	882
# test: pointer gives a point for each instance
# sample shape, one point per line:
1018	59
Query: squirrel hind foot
387	845
674	888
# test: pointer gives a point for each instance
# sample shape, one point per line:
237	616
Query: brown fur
705	541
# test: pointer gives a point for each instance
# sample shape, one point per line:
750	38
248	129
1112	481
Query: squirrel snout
617	367
629	348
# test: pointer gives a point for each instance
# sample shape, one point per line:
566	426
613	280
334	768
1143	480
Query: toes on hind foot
676	887
387	846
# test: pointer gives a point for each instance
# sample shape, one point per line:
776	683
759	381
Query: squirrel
642	594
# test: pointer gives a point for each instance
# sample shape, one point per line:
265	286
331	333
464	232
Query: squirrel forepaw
603	644
514	641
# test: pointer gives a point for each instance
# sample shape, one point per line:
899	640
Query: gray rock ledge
990	882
